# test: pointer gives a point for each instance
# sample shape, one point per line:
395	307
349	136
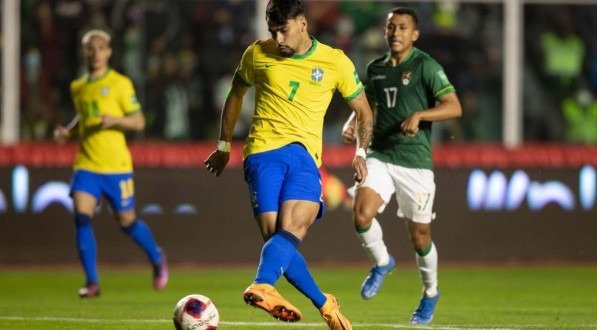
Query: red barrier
190	154
529	155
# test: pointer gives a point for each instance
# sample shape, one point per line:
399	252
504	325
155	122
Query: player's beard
286	51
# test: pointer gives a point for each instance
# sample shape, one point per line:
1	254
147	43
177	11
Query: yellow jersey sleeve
127	98
245	71
349	84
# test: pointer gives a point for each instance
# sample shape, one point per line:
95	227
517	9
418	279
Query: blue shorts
287	173
117	188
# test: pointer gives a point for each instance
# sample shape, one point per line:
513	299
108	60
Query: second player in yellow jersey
103	150
106	108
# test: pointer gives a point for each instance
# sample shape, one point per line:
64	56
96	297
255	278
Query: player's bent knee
363	216
420	242
82	219
125	218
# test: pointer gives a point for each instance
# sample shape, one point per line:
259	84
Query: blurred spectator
563	53
174	101
204	38
593	69
540	116
198	110
43	65
445	15
132	52
557	56
154	86
69	21
580	112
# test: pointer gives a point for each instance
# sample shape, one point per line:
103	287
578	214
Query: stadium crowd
180	55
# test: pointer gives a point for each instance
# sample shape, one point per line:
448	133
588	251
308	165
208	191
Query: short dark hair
279	12
407	11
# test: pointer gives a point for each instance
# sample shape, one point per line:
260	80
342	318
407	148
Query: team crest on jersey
442	76
406	77
317	74
104	91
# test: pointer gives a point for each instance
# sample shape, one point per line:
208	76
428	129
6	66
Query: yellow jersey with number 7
292	94
103	150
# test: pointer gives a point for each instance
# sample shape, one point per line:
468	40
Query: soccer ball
196	312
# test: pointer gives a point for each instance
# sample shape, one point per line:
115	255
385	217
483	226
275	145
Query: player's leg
366	204
415	199
426	257
119	189
85	194
371	198
296	217
426	254
299	275
297	272
277	255
140	232
261	293
264	174
301	206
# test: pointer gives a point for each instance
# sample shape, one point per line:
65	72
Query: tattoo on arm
365	131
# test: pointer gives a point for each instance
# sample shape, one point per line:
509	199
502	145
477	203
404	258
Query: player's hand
410	126
61	134
217	161
348	133
359	164
109	121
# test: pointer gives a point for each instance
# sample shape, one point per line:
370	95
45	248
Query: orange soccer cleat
330	312
266	297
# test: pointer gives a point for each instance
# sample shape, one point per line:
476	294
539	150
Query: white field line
303	324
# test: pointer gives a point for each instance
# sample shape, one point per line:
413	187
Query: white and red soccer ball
196	312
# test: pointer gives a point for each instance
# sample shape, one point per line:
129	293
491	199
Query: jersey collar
408	57
90	80
309	52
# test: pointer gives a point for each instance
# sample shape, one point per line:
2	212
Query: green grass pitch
495	297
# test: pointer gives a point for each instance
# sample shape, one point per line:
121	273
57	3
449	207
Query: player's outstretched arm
364	132
217	161
134	122
62	133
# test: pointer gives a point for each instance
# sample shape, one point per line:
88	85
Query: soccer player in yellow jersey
106	107
294	77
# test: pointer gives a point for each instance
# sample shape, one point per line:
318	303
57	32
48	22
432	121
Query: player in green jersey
409	90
